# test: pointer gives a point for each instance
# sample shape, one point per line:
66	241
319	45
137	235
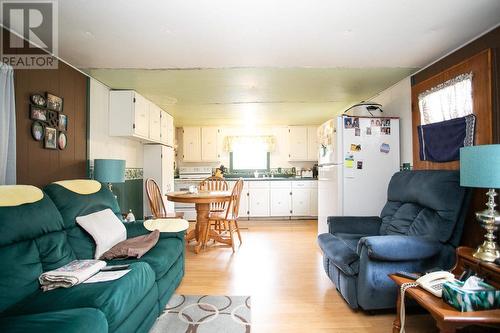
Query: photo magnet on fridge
348	122
355	123
368	131
359	165
357	132
385	148
355	147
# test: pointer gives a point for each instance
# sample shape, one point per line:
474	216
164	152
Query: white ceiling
267	33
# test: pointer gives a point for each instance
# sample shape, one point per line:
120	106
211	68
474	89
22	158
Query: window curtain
231	141
7	126
449	100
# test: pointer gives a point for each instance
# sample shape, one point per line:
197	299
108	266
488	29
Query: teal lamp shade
109	171
480	166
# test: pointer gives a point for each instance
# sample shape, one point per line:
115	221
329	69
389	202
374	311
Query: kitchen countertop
259	179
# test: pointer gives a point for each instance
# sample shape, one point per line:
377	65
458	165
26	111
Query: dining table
202	200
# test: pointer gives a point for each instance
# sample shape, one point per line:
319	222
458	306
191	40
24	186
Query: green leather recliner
38	233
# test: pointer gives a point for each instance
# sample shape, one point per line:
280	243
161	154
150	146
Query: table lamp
480	167
109	171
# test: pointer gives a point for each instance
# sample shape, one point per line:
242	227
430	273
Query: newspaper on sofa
70	274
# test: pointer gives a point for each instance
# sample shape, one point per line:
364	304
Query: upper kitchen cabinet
167	129
191	144
209	136
155	122
200	144
312	143
302	142
132	115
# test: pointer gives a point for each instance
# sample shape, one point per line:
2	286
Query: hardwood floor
279	265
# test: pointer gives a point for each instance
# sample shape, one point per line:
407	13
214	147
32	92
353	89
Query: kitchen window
249	153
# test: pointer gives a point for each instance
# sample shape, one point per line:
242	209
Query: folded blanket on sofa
133	247
71	274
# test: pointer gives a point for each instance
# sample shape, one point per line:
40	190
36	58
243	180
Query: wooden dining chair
156	203
215	184
229	218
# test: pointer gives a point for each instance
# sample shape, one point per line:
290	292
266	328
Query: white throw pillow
106	229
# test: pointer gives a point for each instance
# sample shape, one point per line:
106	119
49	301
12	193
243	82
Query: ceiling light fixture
370	106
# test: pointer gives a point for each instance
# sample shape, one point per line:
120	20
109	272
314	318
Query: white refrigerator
357	158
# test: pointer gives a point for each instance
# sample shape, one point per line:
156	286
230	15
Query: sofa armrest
399	248
364	225
137	228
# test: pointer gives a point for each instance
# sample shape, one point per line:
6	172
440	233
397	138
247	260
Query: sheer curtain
449	100
7	126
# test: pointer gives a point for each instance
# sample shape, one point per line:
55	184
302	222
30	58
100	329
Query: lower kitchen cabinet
278	198
301	201
281	204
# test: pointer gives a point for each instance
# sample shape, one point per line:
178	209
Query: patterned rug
205	314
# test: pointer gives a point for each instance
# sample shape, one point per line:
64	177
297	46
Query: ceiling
267	33
292	96
281	61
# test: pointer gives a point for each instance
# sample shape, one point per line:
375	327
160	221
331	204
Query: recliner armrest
137	228
365	225
399	248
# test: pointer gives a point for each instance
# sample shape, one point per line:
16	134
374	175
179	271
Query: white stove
195	172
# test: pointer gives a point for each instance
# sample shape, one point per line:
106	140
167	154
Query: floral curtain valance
448	100
230	142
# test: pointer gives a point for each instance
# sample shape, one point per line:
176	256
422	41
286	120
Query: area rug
205	314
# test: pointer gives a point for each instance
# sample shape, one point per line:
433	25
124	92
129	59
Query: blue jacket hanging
441	142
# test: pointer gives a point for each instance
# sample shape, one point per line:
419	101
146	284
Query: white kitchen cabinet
132	115
167	129
154	122
303	143
297	141
209	138
258	198
191	144
170	129
301	201
312	143
159	165
200	144
281	204
128	114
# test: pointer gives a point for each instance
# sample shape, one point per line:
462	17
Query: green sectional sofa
38	233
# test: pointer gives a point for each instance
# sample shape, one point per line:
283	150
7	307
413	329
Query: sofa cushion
161	257
423	203
105	228
32	240
116	299
341	251
71	204
68	321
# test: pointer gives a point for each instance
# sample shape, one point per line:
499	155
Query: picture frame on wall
50	141
37	113
54	102
63	122
62	141
38	100
37	130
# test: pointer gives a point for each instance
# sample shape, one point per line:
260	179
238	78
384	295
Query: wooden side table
448	319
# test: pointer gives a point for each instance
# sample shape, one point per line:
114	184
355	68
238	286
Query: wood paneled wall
39	166
482	57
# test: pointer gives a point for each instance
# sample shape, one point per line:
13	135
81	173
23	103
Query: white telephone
433	282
